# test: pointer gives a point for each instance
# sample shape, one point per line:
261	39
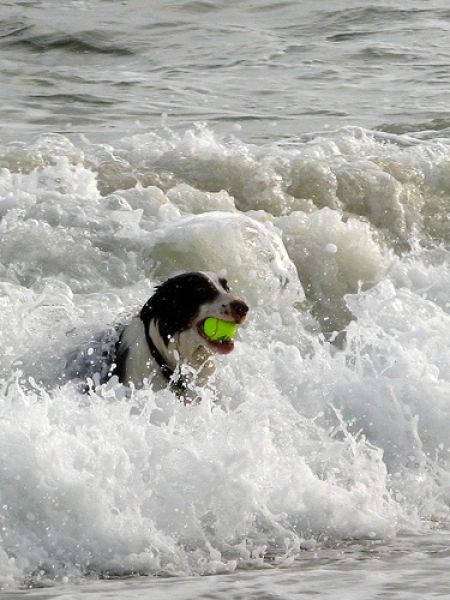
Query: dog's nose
238	309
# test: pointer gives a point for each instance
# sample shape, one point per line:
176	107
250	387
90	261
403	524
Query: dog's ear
169	309
162	300
158	302
147	311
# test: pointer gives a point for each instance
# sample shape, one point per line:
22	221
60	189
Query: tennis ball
218	330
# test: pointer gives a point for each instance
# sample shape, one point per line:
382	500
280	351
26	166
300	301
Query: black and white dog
166	340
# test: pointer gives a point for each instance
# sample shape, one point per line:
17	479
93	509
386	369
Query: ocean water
301	149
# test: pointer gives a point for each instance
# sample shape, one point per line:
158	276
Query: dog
166	340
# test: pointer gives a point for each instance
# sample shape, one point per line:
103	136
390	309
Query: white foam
297	440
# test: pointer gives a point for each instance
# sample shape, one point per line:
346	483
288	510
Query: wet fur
165	343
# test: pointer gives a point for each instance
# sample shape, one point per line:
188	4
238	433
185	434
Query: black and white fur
166	340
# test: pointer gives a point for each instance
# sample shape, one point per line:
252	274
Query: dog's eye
224	283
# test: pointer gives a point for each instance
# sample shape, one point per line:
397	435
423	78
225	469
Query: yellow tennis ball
218	330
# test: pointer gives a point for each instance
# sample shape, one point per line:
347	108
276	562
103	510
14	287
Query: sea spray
329	419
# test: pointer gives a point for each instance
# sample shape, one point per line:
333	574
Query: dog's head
183	303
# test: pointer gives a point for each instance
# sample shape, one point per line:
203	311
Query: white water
318	460
300	443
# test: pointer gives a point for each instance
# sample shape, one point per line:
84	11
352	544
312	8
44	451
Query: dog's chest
138	363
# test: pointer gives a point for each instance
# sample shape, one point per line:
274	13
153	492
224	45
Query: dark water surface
106	68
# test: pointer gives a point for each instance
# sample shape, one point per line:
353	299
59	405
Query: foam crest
333	258
399	184
255	257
